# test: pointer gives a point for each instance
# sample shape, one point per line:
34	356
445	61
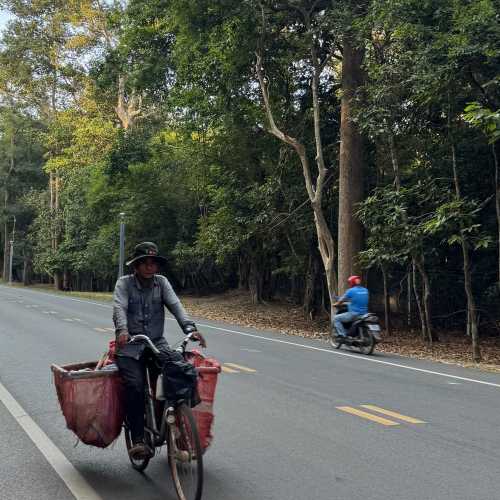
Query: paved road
294	419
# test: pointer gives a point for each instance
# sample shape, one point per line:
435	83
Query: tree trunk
471	302
418	301
408	310
314	187
431	335
243	272
127	108
313	286
255	282
496	154
66	280
27	271
6	251
386	301
395	163
350	166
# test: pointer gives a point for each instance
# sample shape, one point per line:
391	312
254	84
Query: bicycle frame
158	436
177	429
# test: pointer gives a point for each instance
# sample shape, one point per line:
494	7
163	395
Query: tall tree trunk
255	281
27	271
418	301
408	309
66	279
243	272
128	108
395	163
54	209
12	164
496	154
471	302
350	166
314	187
313	286
420	264
6	251
387	306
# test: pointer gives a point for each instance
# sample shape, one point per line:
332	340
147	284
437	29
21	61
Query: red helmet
354	280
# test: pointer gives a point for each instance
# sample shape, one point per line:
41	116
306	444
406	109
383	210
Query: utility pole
10	261
122	244
11	256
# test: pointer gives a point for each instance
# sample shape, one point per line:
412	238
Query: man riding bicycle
357	303
139	302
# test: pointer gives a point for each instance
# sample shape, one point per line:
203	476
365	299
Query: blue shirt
358	299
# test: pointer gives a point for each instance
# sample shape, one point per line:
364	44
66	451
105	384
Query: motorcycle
362	334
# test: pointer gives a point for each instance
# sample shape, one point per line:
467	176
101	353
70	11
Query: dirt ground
235	307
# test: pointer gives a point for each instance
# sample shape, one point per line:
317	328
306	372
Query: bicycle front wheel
185	455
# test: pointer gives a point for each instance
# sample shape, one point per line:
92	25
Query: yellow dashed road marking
226	369
242	368
110	330
101	330
368	416
69	320
393	414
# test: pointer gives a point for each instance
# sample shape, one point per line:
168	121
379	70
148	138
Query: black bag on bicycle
179	379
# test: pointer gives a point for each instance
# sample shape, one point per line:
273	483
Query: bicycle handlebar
184	343
150	344
145	339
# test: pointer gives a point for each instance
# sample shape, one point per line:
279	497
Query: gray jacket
141	310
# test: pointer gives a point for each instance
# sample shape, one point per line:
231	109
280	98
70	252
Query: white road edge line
75	482
371	360
312	348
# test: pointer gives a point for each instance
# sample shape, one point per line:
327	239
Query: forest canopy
274	146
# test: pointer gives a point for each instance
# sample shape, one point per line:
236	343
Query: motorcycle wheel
367	343
334	342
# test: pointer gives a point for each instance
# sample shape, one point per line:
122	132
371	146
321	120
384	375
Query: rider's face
147	268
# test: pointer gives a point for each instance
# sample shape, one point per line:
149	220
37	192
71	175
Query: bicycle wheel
185	455
137	464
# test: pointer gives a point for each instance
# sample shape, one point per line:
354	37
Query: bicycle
175	427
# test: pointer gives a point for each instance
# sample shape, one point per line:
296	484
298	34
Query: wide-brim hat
144	250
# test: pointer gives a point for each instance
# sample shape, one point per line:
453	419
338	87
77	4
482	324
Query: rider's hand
197	336
122	338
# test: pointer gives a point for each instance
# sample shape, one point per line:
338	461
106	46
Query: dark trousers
133	373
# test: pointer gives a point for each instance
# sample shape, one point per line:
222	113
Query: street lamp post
11	253
122	244
10	260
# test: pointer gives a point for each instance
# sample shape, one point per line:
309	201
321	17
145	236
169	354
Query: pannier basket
208	370
91	401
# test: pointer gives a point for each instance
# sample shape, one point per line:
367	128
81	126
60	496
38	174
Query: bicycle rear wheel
185	455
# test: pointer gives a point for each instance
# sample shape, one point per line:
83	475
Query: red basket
91	402
208	371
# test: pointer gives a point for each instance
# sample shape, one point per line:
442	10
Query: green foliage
485	119
196	171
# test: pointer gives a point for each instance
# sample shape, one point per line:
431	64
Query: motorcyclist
356	298
139	302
